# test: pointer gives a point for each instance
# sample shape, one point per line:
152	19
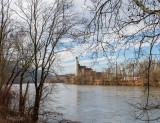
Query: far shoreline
153	84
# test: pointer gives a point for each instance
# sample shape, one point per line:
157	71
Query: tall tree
5	30
45	24
125	28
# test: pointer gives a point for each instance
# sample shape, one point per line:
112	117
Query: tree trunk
36	106
21	98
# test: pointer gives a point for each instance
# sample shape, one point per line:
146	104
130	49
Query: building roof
87	69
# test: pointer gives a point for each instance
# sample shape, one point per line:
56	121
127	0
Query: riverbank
4	121
98	104
122	83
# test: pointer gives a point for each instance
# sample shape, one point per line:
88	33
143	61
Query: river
98	104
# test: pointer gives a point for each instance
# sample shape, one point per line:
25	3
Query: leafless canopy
128	29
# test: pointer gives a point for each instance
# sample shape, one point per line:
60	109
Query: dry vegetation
29	43
31	40
129	74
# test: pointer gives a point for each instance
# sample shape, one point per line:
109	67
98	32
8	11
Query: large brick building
87	75
81	69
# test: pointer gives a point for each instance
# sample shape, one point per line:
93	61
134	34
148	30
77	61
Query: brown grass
5	121
9	115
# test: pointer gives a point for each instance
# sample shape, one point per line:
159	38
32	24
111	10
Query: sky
98	61
92	55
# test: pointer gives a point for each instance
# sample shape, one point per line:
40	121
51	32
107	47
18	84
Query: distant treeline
133	73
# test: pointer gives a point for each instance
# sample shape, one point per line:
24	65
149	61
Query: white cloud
66	40
66	56
68	70
105	59
69	64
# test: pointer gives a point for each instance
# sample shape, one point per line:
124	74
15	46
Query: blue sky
99	60
91	55
99	64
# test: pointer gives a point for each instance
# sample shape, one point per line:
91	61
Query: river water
99	104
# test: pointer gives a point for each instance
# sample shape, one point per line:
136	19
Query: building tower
115	69
77	66
122	72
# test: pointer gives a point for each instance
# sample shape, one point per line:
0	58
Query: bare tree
46	23
5	29
128	26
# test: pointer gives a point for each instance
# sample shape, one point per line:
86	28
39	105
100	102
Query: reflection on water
97	104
